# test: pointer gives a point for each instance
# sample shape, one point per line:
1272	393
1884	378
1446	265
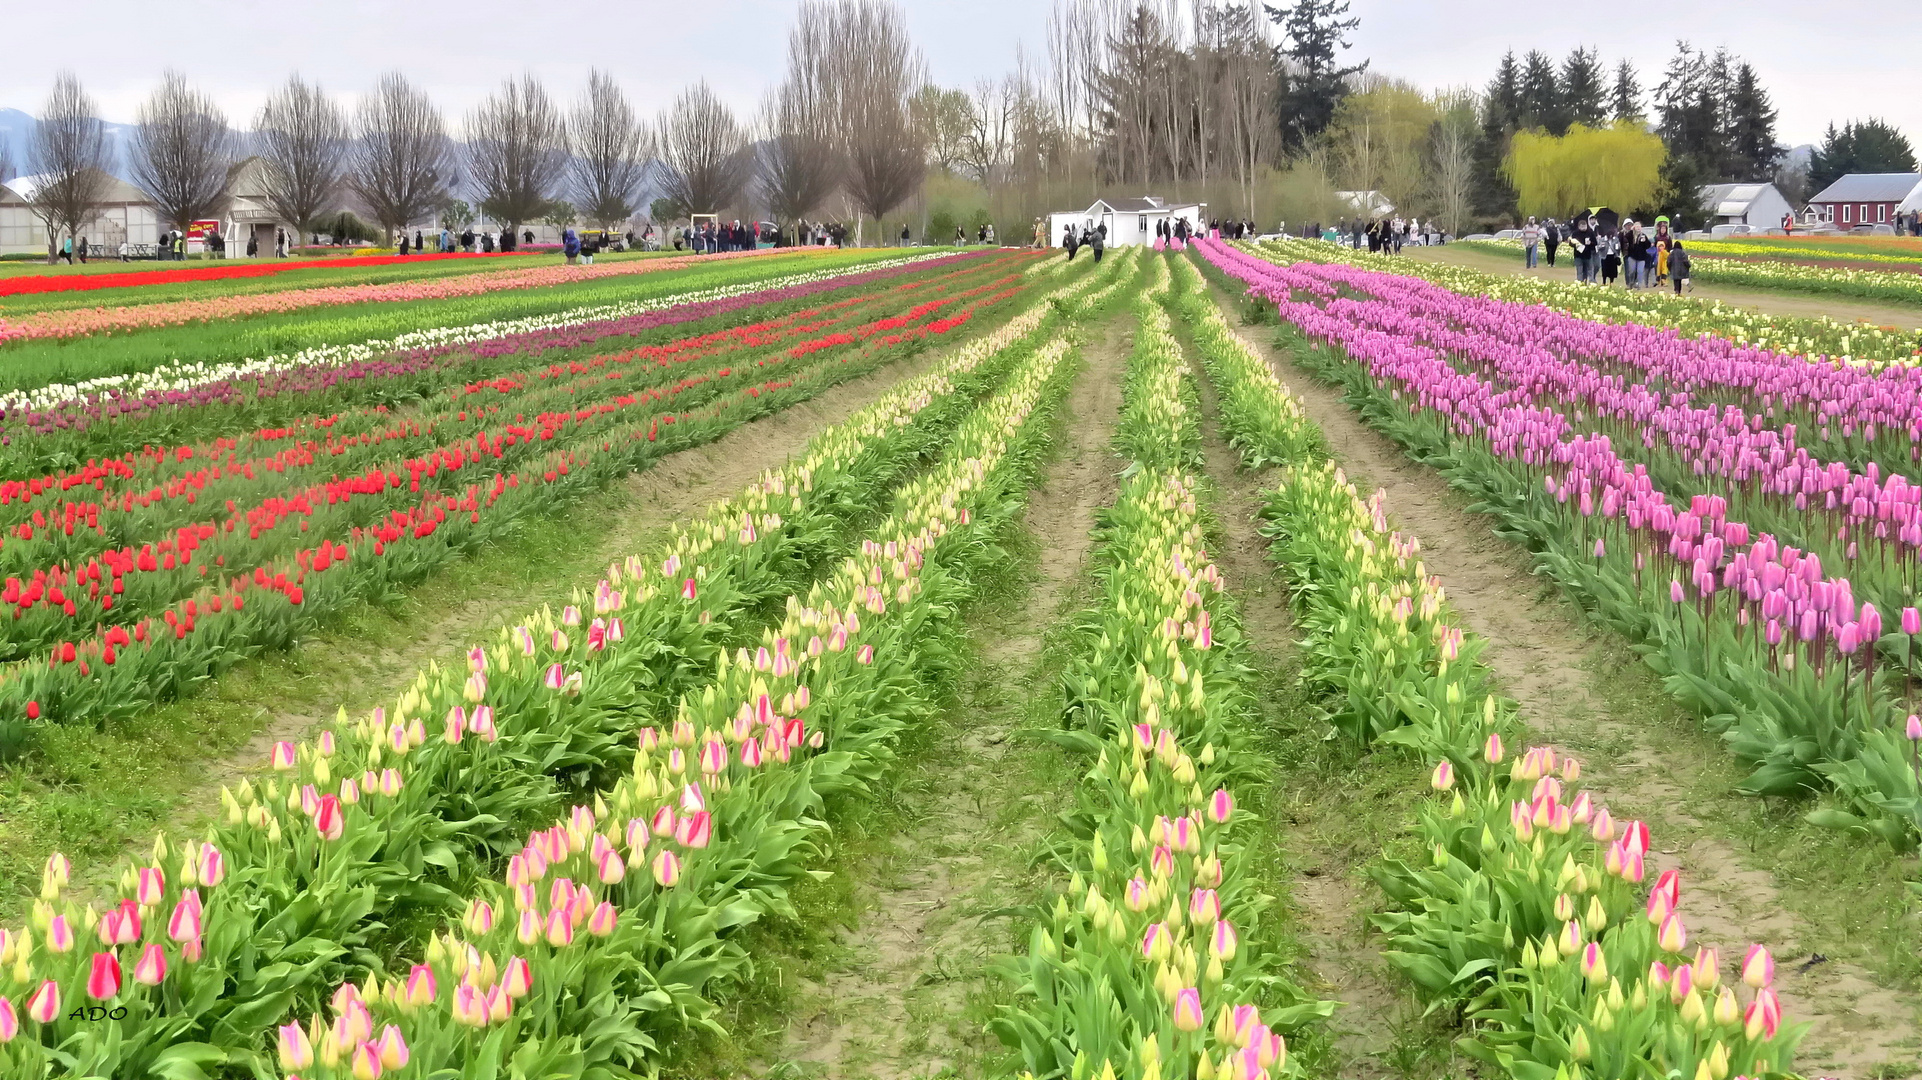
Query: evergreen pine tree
1626	101
1312	82
1753	153
1541	92
1501	117
1584	97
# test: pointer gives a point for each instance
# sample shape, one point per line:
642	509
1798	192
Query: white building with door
1759	206
1129	221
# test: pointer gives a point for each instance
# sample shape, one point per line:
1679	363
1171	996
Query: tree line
840	121
1258	109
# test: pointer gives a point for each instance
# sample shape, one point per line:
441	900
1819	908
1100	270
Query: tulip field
558	850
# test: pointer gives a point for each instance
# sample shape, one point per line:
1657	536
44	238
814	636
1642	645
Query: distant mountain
16	140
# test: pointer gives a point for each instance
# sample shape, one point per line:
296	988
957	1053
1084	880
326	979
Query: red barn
1865	199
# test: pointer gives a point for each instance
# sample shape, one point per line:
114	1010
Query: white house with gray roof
1758	206
1129	221
1866	198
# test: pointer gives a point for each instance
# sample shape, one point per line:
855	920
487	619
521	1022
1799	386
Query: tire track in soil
920	955
1331	909
1543	654
361	674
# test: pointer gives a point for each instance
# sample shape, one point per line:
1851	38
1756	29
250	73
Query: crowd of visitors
1641	257
1384	235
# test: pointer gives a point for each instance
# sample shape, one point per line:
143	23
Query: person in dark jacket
1678	261
1100	241
1551	239
1069	241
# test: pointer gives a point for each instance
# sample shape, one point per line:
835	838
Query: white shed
1129	221
1759	206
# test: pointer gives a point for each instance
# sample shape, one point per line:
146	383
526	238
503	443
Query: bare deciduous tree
69	159
876	70
706	162
1249	131
182	152
403	162
516	151
611	151
1452	147
301	136
798	164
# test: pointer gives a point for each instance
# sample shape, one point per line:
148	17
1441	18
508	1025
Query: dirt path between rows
1330	909
1544	655
907	993
1766	301
362	674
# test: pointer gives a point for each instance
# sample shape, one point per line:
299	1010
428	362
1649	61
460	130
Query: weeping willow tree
1618	166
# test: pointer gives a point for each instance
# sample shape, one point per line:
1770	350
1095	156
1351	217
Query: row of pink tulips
1729	605
1529	914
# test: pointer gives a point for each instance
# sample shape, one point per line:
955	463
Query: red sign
199	229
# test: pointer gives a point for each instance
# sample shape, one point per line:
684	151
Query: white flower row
187	375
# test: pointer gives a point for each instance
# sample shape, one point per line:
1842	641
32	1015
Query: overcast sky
1836	59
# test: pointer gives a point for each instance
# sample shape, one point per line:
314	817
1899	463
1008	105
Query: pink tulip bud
469	1006
390	782
59	869
349	792
184	923
1492	750
1594	963
609	867
1673	936
1707	968
1681	983
44	1006
1223	943
1632	868
695	830
517	979
1188	1015
296	1049
285	758
1204	906
1659	907
1444	777
456	726
1915	728
355	1023
1758	967
1635	837
103	981
687	589
1670	883
151	886
529	929
601	923
392	1048
1911	621
329	819
1155	943
366	1062
667	869
9	1021
479	918
60	935
664	821
421	985
212	868
151	969
1602	827
1221	805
